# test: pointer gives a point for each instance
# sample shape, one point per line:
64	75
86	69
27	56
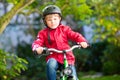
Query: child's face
52	20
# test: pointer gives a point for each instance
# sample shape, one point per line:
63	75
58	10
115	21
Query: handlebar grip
35	52
45	48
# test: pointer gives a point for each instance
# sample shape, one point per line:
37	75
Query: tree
18	6
106	27
79	6
107	20
10	64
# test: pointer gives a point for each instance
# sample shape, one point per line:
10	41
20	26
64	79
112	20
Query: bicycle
64	72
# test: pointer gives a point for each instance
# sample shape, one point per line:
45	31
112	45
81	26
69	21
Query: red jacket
59	39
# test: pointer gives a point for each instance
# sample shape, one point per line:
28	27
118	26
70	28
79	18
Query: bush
37	65
10	65
111	60
111	67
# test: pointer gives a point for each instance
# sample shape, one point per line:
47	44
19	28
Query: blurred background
97	20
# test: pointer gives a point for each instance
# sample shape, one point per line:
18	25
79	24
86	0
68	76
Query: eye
55	18
49	20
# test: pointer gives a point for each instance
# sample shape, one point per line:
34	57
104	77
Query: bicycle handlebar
61	51
46	51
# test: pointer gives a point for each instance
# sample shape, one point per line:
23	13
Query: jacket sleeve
74	36
39	41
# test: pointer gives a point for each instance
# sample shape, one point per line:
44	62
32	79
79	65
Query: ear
44	22
60	18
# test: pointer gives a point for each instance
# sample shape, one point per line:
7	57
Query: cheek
48	23
58	21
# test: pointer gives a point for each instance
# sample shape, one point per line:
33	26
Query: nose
52	21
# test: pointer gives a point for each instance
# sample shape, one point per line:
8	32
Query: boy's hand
39	50
84	44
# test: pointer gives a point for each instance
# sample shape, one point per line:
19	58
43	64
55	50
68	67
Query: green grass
114	77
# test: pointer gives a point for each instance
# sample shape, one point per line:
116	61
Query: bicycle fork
64	77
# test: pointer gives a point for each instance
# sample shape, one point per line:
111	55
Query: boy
56	35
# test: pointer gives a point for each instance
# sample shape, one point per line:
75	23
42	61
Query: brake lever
45	51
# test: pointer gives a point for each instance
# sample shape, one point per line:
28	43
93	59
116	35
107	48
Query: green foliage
111	67
106	20
93	61
101	57
36	66
13	1
11	65
112	53
78	8
81	58
111	60
114	77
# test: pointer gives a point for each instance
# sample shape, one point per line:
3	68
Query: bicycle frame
65	64
66	71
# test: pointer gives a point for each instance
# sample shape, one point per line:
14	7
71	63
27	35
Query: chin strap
49	40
